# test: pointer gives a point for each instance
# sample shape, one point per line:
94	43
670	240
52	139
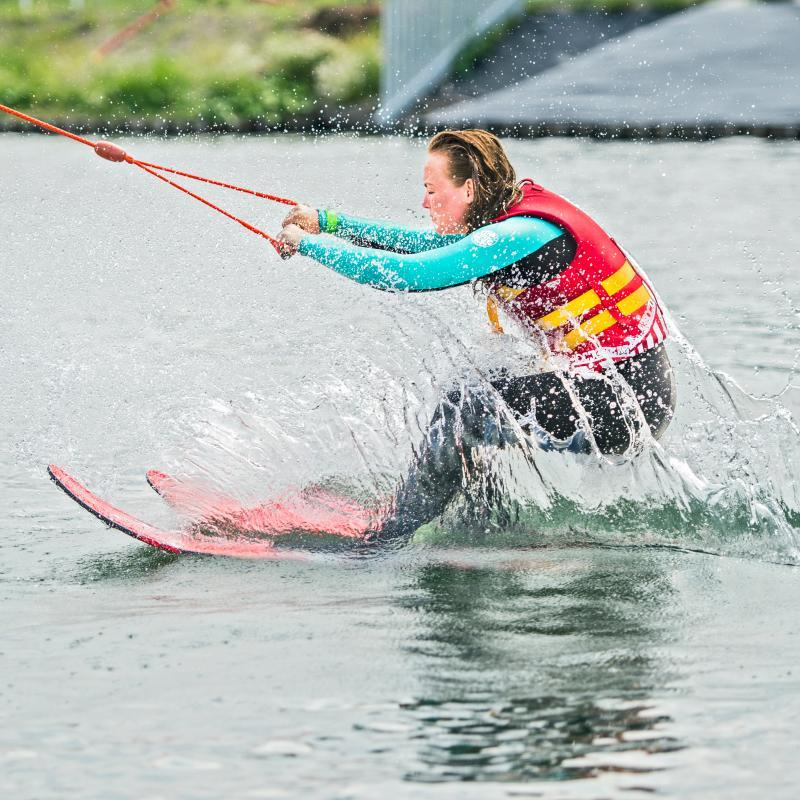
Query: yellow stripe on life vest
634	301
618	280
494	317
573	309
590	327
604	320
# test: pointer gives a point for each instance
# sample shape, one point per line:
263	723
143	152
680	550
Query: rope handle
113	152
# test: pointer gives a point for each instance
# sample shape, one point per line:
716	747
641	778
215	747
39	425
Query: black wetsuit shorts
605	400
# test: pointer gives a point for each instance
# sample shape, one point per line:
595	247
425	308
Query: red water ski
309	511
192	500
180	542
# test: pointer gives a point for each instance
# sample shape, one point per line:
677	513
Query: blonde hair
478	154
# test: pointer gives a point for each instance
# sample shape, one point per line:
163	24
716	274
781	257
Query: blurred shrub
15	91
351	72
158	87
294	59
183	73
233	100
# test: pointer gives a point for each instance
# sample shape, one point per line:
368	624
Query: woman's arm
480	253
382	235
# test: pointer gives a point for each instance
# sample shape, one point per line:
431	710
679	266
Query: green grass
210	61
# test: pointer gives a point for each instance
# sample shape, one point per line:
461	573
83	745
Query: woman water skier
606	377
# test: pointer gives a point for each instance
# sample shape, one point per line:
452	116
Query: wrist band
331	222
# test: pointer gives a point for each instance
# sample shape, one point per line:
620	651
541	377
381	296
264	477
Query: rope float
112	152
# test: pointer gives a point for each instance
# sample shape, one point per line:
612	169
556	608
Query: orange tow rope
112	152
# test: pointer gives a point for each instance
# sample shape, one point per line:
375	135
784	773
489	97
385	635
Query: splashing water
257	378
719	480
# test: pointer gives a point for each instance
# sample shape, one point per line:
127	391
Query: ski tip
56	474
64	481
156	478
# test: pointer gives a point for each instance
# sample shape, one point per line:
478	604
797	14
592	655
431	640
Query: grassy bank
213	63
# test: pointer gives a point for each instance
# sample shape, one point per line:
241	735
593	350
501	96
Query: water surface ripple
609	630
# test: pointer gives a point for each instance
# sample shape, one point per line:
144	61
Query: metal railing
422	38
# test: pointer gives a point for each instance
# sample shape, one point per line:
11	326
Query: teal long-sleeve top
401	259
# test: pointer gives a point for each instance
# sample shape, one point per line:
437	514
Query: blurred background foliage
214	62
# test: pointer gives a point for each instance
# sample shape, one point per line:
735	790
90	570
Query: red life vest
599	308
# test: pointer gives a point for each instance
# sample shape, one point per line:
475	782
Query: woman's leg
640	388
463	421
445	458
652	380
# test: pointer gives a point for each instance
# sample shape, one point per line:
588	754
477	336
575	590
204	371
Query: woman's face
447	203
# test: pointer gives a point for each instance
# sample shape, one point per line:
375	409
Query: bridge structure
715	69
422	38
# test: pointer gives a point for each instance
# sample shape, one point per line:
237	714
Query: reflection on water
138	563
538	671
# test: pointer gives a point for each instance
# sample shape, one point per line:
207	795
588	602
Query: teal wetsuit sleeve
383	235
476	255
